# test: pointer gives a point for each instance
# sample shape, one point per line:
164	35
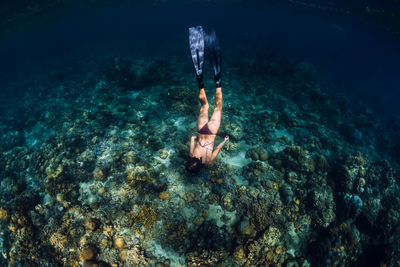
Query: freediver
202	152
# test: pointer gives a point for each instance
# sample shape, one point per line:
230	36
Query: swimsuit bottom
205	130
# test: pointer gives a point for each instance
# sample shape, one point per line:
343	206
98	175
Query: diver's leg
203	116
215	121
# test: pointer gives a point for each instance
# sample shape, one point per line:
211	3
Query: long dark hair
194	164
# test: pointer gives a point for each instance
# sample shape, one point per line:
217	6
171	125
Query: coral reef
303	180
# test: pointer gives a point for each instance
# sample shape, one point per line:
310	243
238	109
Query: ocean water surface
99	101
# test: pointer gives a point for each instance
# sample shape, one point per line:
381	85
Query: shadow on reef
209	237
129	76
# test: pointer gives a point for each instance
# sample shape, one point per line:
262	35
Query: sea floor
92	170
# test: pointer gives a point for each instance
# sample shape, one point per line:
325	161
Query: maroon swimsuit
205	130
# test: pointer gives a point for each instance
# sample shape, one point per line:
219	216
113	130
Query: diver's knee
217	109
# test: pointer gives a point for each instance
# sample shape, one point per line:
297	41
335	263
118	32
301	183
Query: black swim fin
214	52
196	43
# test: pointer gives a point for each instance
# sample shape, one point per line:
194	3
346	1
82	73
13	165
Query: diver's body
202	151
207	129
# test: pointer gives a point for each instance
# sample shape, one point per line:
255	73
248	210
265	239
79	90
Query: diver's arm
218	149
192	145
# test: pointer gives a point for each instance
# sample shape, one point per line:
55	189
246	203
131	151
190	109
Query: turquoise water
99	101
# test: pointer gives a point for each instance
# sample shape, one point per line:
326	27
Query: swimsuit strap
205	144
207	149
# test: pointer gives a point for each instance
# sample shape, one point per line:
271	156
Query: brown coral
147	216
4	215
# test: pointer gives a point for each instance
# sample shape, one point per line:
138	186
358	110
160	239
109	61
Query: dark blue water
360	56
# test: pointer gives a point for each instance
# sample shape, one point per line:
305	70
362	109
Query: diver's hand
193	137
226	138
